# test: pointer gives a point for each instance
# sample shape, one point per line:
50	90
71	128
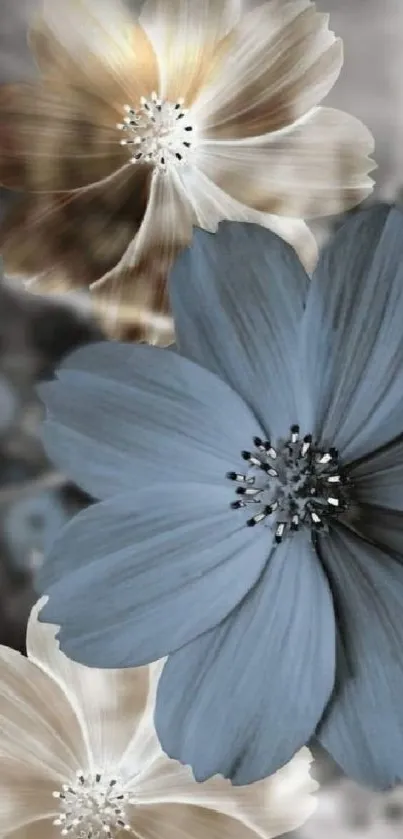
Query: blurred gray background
35	334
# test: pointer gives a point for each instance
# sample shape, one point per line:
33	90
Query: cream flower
190	112
79	757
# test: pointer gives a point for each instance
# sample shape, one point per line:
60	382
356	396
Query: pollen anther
158	127
294	493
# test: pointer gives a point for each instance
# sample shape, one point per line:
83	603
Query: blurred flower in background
30	524
138	129
35	499
80	757
348	811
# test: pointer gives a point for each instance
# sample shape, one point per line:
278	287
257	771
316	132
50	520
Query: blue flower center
290	485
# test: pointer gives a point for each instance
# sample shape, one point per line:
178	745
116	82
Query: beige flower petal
189	40
96	45
283	61
211	205
25	800
108	703
141	759
269	808
69	240
56	137
318	167
41	742
37	830
134	294
172	821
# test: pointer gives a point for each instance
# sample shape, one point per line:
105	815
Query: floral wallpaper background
36	332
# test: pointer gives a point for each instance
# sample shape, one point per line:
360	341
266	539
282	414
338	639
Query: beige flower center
159	132
92	807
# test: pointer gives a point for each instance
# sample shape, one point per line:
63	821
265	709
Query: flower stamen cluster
92	807
296	481
158	132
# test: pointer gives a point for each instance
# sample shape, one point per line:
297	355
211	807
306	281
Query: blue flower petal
122	416
363	728
237	297
384	528
377	492
378	479
240	700
352	337
137	576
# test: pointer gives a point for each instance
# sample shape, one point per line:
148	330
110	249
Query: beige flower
141	126
79	757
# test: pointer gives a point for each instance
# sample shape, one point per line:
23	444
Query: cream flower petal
143	750
37	830
211	205
188	38
98	45
41	743
25	801
269	808
317	167
171	821
135	291
108	703
282	62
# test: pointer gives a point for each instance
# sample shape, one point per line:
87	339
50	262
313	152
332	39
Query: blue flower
250	524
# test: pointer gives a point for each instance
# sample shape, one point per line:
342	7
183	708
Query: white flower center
293	483
92	807
159	132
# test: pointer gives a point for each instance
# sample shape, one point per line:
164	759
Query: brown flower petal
54	137
133	297
73	239
318	167
96	46
283	61
189	39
